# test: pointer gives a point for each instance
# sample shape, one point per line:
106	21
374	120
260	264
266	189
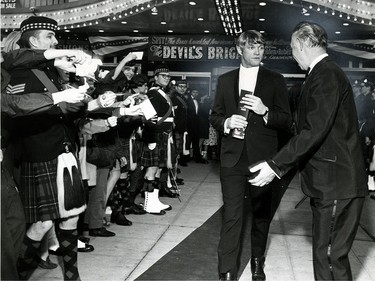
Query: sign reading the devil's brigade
191	48
199	48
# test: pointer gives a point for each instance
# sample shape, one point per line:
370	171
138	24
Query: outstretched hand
265	174
71	95
111	121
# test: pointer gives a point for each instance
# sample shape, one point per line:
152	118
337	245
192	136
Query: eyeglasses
182	86
165	76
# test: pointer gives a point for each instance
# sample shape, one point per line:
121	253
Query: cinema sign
191	48
208	48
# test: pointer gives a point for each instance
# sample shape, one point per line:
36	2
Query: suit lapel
236	89
259	82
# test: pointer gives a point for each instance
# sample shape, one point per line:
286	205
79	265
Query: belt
168	119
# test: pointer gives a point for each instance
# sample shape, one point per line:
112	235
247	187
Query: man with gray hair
327	151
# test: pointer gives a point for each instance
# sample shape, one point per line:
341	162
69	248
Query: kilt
158	157
38	190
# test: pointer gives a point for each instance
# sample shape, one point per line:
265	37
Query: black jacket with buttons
41	137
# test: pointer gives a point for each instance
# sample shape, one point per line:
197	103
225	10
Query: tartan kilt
38	190
158	157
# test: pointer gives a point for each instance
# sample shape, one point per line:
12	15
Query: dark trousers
97	200
335	224
234	182
193	134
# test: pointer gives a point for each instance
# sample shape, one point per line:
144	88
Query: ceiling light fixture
154	11
230	16
360	11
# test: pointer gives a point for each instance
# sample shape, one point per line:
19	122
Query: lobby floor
136	248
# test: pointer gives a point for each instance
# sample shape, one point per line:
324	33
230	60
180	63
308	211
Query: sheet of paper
148	109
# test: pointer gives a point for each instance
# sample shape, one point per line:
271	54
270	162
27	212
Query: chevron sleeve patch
15	89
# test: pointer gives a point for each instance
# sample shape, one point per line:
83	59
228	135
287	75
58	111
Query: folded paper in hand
88	68
148	109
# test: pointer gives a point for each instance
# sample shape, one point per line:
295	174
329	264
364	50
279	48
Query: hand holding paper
72	95
148	109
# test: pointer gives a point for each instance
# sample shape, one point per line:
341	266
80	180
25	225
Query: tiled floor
134	249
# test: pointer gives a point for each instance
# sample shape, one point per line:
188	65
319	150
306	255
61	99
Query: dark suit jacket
261	139
327	146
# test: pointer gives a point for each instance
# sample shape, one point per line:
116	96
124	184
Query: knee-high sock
68	244
163	178
27	259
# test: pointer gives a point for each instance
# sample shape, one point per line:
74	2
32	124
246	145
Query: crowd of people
364	98
78	140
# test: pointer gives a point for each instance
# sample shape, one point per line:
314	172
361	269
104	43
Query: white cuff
226	129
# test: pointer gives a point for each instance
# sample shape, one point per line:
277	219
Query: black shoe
120	219
161	213
134	209
180	181
101	232
88	248
84	239
201	161
227	276
167	192
257	265
183	164
55	253
46	264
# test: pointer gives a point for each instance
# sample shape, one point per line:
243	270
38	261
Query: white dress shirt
246	81
248	78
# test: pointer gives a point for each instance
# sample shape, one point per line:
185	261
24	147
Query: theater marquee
199	48
190	48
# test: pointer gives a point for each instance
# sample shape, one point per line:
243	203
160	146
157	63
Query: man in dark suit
328	153
192	123
268	113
